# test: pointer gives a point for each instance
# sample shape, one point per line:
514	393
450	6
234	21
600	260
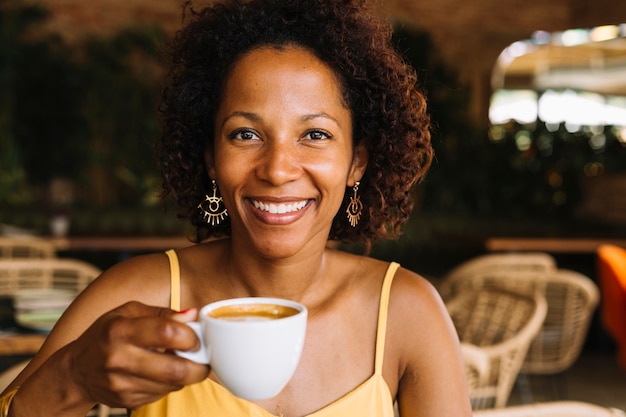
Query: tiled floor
595	378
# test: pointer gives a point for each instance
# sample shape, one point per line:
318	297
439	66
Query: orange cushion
612	275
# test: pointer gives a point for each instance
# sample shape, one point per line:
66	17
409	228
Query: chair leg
523	385
533	388
559	385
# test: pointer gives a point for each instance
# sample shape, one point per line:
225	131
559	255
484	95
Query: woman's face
283	153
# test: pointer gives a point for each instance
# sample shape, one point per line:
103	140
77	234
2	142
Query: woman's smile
280	208
279	213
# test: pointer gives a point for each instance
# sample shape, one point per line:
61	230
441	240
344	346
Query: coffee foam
252	312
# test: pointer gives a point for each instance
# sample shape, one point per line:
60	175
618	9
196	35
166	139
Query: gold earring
355	208
212	208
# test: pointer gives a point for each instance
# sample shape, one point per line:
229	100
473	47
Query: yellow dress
209	399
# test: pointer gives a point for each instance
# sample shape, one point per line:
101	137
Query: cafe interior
520	225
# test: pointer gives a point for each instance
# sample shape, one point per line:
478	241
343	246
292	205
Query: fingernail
185	311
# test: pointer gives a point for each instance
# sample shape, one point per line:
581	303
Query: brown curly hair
379	87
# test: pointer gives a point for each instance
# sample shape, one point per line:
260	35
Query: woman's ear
209	161
359	164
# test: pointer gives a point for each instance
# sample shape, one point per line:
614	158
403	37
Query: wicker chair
476	365
59	273
553	409
26	247
572	299
611	264
502	324
513	261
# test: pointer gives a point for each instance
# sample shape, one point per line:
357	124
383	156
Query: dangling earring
212	208
355	208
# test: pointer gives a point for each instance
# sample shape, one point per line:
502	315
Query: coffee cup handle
200	355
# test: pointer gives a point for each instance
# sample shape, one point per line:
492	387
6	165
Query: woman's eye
317	135
243	135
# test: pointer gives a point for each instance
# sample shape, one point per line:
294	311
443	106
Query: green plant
83	111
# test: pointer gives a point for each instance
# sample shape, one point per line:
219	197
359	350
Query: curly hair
379	86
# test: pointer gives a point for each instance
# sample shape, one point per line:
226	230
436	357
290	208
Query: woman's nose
279	162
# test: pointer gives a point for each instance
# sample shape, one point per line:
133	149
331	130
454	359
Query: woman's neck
293	277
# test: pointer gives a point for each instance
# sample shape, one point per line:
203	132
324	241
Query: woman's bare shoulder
416	309
151	270
416	304
143	278
412	291
407	286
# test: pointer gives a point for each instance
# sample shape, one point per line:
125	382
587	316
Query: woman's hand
123	360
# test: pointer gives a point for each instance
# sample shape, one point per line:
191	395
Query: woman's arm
107	348
432	380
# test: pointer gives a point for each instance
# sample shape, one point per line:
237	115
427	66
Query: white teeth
279	208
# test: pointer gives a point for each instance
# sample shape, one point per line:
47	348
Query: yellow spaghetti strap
5	402
382	317
174	280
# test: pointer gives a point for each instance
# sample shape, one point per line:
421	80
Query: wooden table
21	344
120	243
548	244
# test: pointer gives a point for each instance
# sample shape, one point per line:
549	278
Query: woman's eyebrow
256	118
246	115
324	115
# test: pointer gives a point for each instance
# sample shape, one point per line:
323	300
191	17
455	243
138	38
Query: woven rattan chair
510	261
26	247
572	298
552	409
502	324
58	273
476	365
611	264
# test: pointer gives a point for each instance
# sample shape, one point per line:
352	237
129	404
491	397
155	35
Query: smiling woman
383	101
286	123
283	119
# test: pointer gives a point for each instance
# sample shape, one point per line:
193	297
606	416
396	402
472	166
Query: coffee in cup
253	344
252	312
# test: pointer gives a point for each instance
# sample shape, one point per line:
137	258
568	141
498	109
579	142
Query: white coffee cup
253	344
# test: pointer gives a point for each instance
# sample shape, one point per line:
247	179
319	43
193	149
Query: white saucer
38	320
42	299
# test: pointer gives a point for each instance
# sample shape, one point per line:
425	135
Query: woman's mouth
280	208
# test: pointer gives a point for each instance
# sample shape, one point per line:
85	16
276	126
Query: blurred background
528	101
527	98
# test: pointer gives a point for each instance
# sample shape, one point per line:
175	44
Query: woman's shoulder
156	268
139	278
409	289
414	303
414	299
407	285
